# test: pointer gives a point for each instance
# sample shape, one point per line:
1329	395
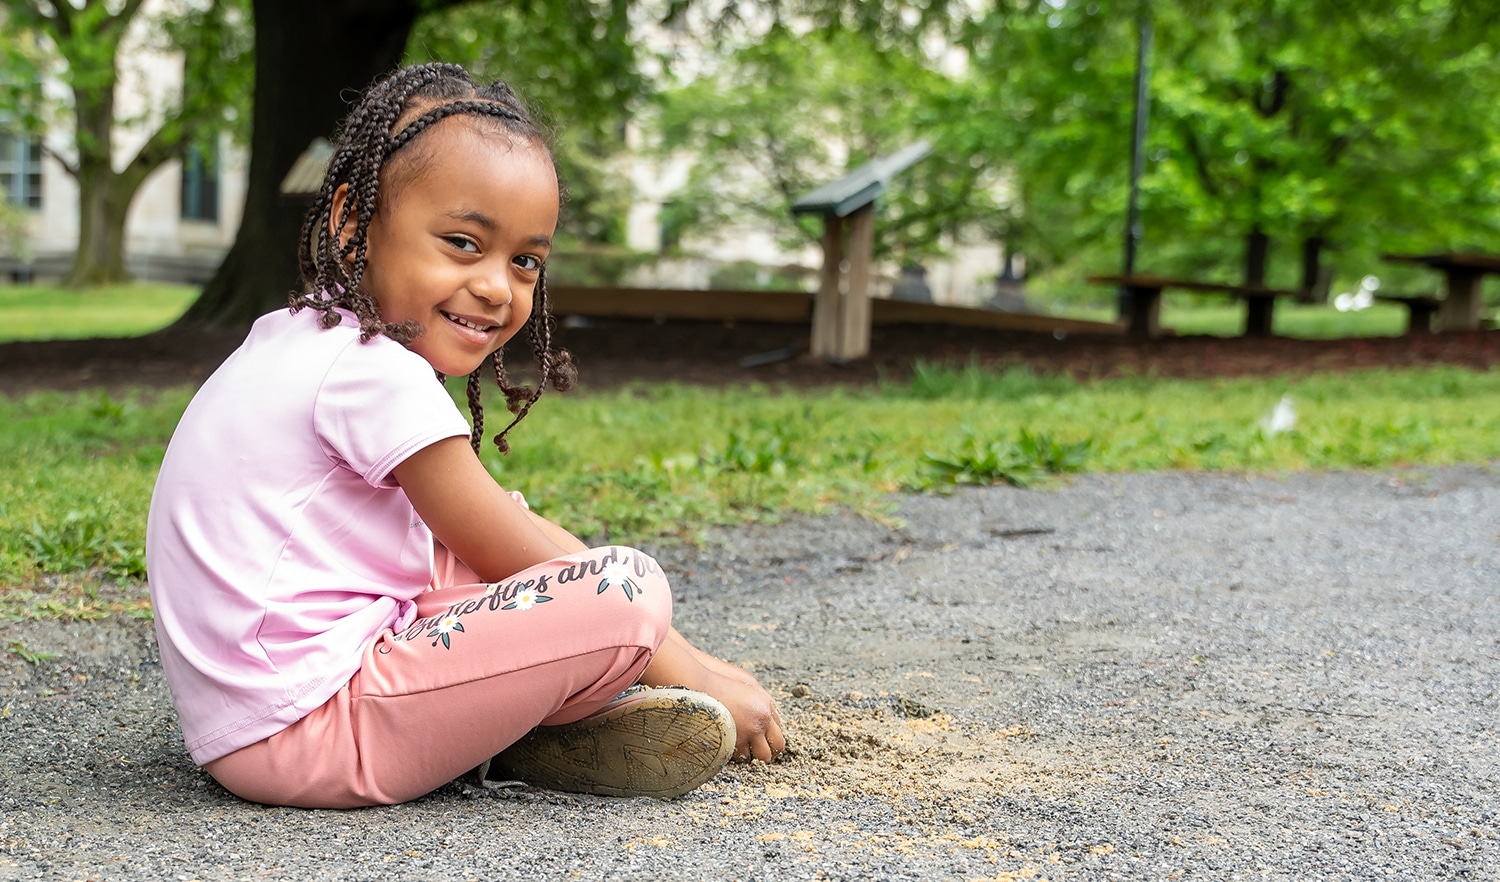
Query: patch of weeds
80	540
1017	462
20	650
108	409
756	452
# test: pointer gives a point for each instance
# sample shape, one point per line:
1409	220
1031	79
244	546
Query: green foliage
1020	462
75	471
1370	126
216	40
1307	121
763	449
49	312
14	221
80	540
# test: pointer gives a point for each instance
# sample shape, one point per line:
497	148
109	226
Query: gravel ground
1129	677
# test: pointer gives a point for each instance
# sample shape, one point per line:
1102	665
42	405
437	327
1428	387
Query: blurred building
184	216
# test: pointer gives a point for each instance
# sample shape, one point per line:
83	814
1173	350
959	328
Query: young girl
350	610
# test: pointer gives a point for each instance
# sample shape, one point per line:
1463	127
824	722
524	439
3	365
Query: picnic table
1419	310
1463	273
1144	318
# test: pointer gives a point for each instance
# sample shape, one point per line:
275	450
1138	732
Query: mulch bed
614	352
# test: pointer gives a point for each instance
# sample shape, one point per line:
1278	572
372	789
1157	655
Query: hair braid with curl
333	271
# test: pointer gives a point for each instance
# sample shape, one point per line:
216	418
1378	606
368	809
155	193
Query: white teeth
466	323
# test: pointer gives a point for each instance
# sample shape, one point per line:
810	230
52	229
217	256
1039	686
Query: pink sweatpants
482	665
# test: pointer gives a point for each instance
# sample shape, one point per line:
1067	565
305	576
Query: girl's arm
468	512
473	516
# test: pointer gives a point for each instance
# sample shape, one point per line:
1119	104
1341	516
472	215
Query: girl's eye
462	243
528	263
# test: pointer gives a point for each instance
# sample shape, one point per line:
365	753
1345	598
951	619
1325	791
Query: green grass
46	312
650	463
1216	316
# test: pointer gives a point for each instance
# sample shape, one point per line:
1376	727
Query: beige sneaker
647	742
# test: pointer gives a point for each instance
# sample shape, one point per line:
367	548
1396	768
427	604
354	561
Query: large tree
80	43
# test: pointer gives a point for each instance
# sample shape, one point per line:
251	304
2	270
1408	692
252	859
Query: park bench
1143	318
1463	275
1419	310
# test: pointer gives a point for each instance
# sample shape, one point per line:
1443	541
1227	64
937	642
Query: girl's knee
639	578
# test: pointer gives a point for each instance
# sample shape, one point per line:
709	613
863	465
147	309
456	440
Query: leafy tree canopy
1371	126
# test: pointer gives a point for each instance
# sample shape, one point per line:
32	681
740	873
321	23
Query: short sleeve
378	404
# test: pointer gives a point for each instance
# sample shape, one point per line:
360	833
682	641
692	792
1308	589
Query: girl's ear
336	210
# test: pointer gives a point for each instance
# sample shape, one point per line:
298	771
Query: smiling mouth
459	320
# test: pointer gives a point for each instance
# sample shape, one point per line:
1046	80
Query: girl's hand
757	722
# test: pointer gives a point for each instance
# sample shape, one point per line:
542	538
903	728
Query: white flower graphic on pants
618	573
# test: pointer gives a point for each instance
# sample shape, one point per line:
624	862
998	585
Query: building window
200	184
21	169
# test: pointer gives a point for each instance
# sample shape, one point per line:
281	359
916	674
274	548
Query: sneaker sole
660	743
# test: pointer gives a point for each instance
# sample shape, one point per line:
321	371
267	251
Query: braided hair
393	113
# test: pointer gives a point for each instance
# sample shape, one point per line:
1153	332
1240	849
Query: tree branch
165	143
1200	162
61	160
1280	85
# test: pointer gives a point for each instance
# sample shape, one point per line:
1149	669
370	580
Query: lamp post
1137	152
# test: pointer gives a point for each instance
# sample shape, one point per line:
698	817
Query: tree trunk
1314	280
1257	250
309	57
100	256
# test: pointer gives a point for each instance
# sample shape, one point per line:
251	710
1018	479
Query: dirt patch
856	747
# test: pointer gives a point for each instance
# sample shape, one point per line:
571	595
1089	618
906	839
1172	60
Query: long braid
476	408
332	262
556	367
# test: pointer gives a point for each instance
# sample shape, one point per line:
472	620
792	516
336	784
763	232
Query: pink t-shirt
278	544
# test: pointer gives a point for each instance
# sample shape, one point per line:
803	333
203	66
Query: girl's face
459	241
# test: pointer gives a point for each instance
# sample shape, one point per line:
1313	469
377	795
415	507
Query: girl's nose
492	288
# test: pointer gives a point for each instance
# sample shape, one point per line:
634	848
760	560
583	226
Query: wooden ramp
795	307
